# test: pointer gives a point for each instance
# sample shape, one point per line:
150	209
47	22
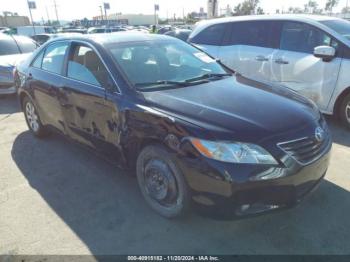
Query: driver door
296	67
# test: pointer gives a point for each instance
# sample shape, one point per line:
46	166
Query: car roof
294	17
118	37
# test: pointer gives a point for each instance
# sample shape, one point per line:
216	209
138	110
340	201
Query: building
133	19
213	8
13	20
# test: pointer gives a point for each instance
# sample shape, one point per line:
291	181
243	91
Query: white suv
309	54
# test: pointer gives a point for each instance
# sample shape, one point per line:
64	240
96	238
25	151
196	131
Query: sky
77	9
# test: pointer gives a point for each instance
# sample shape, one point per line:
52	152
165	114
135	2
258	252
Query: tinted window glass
26	44
340	26
251	33
212	35
37	62
300	37
8	47
54	57
86	66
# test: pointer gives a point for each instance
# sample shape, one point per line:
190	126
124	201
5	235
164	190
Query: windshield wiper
161	82
207	76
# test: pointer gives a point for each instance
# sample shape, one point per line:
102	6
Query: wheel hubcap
160	183
347	112
32	117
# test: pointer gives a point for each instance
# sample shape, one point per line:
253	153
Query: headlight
235	152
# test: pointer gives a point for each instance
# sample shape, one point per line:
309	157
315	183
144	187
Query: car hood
12	60
238	106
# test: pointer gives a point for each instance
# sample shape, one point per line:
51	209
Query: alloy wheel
32	117
347	112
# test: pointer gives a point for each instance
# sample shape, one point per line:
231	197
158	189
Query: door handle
30	76
261	58
280	61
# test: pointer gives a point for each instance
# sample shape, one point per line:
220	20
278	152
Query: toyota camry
196	133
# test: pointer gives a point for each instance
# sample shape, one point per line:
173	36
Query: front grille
306	150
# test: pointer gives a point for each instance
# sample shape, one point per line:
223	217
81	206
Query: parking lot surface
58	198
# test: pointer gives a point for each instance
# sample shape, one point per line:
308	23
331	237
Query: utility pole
101	13
31	5
48	17
55	5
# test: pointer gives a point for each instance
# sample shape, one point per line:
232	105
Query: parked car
101	30
13	49
30	30
162	30
309	54
194	131
181	34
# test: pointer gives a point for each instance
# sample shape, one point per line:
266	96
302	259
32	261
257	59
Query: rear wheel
344	111
161	182
33	119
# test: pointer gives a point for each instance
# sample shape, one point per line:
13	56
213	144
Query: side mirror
327	53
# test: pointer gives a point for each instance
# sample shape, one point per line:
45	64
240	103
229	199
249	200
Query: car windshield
150	64
340	26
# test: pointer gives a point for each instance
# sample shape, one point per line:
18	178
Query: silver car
13	50
309	54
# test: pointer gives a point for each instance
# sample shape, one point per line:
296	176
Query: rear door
45	80
249	47
295	66
90	118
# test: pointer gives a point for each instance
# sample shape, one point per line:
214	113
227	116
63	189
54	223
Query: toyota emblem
319	134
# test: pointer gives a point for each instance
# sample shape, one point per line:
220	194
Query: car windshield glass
340	26
150	64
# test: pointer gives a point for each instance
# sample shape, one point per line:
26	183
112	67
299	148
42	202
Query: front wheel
161	182
344	111
33	119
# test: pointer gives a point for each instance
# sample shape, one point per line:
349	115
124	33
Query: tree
345	10
330	4
247	7
312	7
295	10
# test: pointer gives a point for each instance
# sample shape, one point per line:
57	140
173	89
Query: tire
344	111
32	118
161	182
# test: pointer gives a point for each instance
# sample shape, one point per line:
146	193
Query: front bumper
227	190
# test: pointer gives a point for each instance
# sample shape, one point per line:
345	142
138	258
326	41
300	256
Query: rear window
26	44
8	47
212	35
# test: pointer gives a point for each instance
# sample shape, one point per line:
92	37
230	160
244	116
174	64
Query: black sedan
194	131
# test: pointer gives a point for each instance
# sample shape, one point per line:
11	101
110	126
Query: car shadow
9	105
340	134
103	206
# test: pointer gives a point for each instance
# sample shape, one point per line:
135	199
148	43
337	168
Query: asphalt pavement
58	198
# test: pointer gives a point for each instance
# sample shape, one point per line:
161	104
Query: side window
213	35
54	57
301	37
86	66
251	33
38	60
